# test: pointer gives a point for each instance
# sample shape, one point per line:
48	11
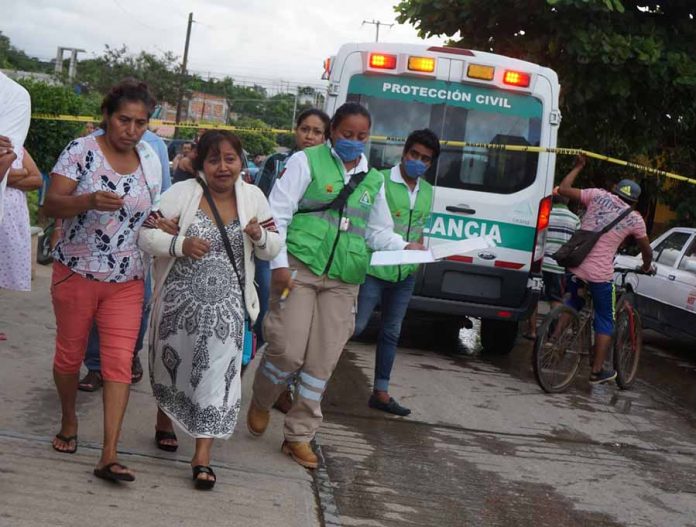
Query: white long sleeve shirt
15	115
290	188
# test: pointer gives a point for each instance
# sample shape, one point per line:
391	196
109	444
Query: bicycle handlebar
637	270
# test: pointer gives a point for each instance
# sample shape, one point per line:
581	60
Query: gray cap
627	189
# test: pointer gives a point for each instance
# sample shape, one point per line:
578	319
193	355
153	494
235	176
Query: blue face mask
348	150
415	168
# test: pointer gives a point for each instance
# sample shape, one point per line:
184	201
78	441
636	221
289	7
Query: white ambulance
473	97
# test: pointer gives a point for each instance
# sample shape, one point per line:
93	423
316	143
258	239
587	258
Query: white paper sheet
444	250
439	252
401	257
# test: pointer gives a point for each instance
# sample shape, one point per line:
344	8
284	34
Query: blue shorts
603	300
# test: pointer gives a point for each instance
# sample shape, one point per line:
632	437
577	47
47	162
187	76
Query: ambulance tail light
516	78
422	64
382	61
327	69
542	226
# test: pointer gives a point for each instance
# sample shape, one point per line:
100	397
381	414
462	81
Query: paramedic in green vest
315	282
410	199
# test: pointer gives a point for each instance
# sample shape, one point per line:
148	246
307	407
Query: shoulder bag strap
616	220
223	234
340	200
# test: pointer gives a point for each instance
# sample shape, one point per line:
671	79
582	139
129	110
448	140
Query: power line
376	23
136	18
261	81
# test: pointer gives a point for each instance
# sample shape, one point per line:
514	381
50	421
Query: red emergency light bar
516	78
382	61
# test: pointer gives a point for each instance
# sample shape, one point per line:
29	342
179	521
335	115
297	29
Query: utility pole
294	108
182	76
376	23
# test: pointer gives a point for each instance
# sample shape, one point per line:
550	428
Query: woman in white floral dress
201	298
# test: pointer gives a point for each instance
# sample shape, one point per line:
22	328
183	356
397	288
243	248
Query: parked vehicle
465	96
667	300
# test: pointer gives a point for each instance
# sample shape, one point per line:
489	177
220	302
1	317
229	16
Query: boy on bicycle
596	272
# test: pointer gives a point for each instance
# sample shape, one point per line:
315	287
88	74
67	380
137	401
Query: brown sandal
67	440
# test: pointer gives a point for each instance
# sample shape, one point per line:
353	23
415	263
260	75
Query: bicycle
557	353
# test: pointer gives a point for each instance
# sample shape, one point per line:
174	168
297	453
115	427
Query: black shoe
136	370
391	407
602	376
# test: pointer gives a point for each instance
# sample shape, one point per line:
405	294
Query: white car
667	300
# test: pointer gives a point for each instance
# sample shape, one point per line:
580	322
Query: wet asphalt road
484	445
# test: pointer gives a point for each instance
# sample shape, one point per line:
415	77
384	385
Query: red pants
117	309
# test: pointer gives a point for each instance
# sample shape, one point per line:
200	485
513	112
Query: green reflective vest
409	223
315	238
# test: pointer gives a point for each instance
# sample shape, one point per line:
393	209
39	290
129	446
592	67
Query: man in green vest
410	199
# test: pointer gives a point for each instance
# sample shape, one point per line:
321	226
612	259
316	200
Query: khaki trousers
305	335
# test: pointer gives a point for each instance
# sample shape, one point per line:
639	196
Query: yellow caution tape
549	150
464	144
160	122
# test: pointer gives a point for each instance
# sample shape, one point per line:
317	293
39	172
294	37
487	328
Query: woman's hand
580	161
415	246
5	145
104	201
168	226
6	161
195	248
253	229
281	279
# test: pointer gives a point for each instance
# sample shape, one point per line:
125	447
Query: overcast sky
253	39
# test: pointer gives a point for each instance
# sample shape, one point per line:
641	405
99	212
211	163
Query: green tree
256	141
46	138
627	68
160	72
13	58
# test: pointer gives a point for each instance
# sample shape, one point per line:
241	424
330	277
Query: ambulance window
471	168
488	170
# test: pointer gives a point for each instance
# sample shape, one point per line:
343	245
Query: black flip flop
203	484
91	382
106	473
163	435
136	370
65	439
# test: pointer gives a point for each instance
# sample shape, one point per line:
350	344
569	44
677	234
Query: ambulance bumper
470	309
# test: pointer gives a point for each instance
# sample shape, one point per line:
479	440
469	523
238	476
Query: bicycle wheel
628	343
557	352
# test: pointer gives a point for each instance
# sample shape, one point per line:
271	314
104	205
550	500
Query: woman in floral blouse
104	189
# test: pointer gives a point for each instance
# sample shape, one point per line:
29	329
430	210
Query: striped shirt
562	225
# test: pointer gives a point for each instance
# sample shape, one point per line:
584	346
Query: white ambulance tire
498	336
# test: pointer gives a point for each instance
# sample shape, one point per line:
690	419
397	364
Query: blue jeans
393	298
92	360
603	302
263	289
